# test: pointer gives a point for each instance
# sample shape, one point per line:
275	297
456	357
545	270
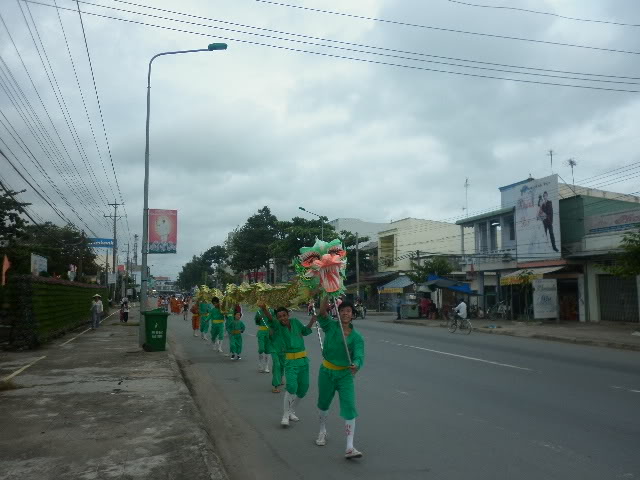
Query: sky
232	131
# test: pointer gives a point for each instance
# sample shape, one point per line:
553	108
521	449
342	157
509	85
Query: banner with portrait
163	231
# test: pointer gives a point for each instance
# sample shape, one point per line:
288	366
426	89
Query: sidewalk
603	334
98	407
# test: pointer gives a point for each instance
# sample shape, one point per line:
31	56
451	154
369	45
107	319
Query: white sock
323	414
293	403
288	398
350	429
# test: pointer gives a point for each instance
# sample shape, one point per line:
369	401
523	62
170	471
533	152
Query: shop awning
434	282
397	285
519	276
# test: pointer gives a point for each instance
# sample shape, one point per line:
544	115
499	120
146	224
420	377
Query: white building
362	228
412	238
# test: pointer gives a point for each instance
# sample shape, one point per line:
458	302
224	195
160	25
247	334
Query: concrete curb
537	336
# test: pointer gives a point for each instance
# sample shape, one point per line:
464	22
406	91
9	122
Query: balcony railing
489	256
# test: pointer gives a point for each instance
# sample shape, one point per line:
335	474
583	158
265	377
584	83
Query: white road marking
460	356
72	339
22	369
625	388
401	392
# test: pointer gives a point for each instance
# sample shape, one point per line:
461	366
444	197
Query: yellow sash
331	366
295	356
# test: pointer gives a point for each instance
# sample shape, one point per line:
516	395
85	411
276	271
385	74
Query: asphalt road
432	405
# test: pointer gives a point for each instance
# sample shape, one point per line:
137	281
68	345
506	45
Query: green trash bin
155	328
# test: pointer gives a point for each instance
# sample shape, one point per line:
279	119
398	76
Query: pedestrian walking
338	371
124	310
263	342
296	365
96	311
217	324
235	329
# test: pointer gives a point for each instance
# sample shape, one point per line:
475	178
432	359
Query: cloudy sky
257	125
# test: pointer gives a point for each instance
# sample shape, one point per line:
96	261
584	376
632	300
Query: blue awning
434	281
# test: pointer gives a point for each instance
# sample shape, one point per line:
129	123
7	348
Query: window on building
509	224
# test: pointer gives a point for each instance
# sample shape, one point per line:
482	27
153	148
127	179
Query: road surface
432	405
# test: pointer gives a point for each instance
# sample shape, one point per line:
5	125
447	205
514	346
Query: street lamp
145	212
322	219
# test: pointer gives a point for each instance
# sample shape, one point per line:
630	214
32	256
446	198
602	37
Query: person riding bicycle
461	309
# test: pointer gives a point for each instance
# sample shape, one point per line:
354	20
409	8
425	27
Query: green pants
263	341
204	324
297	375
277	369
217	331
341	381
236	343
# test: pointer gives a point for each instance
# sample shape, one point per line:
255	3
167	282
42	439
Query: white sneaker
293	417
266	369
220	349
260	369
285	421
352	453
195	334
321	441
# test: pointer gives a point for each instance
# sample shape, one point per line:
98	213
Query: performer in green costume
338	370
217	324
235	329
296	365
264	342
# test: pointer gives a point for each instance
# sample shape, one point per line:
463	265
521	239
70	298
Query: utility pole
79	274
418	258
115	217
357	265
550	154
135	250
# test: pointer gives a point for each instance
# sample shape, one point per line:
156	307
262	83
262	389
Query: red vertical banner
163	231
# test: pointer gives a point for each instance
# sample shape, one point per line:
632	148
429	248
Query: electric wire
60	98
44	107
551	14
106	137
357	44
356	59
21	113
449	30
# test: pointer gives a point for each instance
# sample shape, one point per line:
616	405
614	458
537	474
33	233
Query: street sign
111	280
100	242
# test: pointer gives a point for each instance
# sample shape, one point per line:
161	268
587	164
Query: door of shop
618	299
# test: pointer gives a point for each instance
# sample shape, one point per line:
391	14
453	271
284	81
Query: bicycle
458	323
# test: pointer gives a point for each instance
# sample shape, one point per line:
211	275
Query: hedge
39	309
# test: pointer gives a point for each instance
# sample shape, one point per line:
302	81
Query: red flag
6	265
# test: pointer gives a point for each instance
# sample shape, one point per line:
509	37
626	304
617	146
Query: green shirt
235	325
289	339
333	345
215	313
204	310
261	319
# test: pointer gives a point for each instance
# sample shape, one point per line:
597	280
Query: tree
12	223
62	246
250	245
433	266
297	233
628	262
349	242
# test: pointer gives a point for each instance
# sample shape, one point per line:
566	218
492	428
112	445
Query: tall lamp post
322	219
145	212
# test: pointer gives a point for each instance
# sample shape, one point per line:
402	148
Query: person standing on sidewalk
235	329
296	365
337	373
264	347
96	311
217	324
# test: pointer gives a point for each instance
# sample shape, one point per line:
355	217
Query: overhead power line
450	30
44	107
392	50
104	129
356	59
551	14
